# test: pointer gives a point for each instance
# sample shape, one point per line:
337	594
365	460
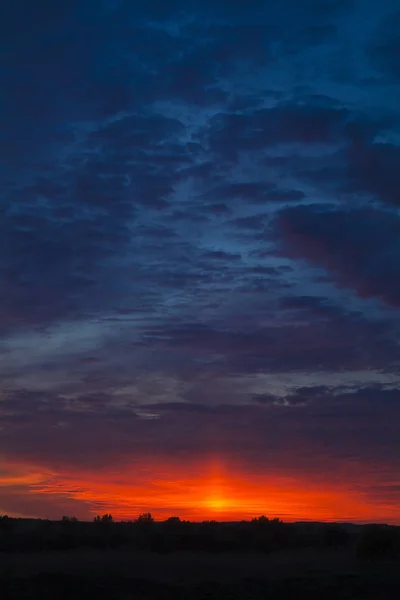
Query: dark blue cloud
384	49
361	248
374	169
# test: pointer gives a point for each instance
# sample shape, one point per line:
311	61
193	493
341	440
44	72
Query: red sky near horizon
193	491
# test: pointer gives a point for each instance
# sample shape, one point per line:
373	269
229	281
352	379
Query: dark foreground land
180	560
121	575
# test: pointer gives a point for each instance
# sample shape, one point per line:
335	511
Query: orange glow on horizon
208	491
216	503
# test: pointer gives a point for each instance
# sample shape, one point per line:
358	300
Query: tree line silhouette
261	534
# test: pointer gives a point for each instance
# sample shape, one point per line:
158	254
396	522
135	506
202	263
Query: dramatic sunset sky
200	258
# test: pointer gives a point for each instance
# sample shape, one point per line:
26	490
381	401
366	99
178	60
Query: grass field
122	575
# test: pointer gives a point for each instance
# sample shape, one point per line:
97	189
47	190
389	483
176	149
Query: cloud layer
199	233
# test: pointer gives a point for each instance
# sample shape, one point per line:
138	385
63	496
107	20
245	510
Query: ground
123	575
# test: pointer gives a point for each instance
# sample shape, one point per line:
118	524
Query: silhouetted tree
105	519
261	521
173	521
105	527
65	519
145	519
173	525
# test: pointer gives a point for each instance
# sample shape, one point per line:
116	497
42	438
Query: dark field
178	560
122	575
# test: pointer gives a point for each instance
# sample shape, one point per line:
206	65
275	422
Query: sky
200	259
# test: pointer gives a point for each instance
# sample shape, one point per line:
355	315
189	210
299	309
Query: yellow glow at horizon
216	503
